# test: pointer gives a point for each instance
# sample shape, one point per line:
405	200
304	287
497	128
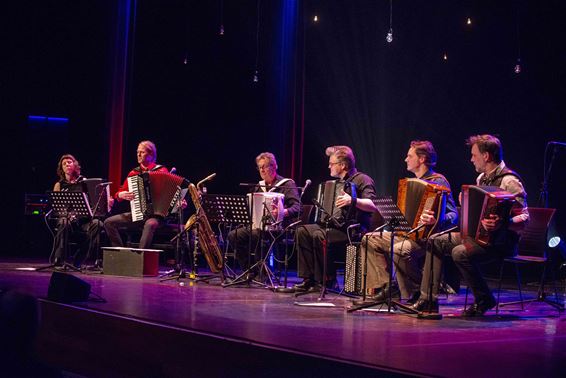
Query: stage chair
533	249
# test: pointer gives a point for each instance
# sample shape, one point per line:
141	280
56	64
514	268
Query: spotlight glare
221	31
554	241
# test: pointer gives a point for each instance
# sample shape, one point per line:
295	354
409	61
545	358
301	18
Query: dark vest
496	179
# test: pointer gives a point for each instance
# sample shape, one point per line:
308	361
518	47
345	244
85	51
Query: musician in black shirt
487	157
69	172
354	209
239	238
421	159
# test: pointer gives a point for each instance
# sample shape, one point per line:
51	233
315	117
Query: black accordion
326	196
479	202
156	194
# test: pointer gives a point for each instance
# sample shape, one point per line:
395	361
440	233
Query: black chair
533	249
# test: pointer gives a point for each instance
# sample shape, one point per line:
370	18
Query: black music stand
235	209
396	223
68	206
226	209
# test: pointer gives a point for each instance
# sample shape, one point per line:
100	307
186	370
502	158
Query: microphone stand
393	223
323	289
179	272
365	240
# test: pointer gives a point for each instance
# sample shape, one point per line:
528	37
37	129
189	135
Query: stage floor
519	343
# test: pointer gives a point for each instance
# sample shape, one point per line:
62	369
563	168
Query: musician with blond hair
487	158
146	156
69	172
421	159
271	182
356	208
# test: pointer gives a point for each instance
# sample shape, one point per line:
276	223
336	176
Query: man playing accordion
467	253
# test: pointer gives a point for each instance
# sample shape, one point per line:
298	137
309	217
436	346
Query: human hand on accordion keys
343	199
427	217
491	223
125	195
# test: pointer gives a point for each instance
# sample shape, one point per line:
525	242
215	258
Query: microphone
307	183
209	177
173	170
105	183
445	231
415	229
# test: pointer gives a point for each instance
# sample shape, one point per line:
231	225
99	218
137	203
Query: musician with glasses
357	209
69	172
487	158
147	156
270	182
421	159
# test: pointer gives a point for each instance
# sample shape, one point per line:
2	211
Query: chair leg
518	275
466	298
499	288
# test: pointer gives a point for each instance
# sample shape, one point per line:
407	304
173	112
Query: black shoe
384	294
414	298
423	305
479	308
305	285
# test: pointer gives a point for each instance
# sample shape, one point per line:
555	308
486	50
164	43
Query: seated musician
147	155
69	172
421	159
487	157
270	182
310	238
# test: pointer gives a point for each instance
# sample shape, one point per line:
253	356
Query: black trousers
309	242
239	239
88	230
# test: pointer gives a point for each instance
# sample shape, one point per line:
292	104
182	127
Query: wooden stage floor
168	326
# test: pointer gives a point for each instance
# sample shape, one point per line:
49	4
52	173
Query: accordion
156	194
353	274
416	195
326	196
261	204
479	202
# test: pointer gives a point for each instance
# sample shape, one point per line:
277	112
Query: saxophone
207	239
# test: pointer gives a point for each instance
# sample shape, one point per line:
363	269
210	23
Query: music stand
69	206
179	271
226	209
234	209
396	222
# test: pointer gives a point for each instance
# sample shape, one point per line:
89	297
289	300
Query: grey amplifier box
131	262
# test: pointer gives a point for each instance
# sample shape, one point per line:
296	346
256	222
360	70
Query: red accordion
156	193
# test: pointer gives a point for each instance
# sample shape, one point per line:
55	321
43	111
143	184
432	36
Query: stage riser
96	344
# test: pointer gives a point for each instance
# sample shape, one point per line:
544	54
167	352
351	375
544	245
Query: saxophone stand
391	304
67	206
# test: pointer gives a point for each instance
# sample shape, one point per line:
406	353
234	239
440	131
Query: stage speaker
66	288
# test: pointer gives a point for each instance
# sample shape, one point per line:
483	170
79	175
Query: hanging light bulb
256	76
445	56
221	31
186	59
469	21
518	66
389	37
315	18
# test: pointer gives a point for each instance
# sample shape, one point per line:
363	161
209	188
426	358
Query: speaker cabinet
66	288
131	262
